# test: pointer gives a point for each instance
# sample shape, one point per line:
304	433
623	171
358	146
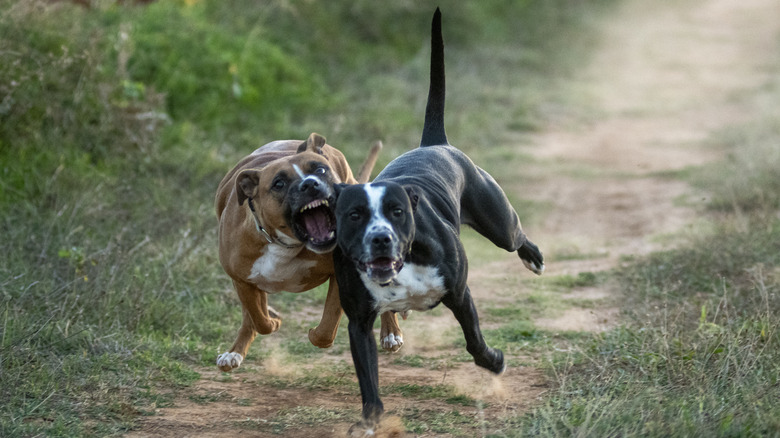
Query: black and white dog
398	239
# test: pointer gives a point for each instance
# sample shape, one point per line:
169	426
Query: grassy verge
699	353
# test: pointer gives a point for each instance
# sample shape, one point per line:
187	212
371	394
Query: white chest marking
277	265
417	287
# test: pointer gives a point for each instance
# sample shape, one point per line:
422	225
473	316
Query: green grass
455	423
422	392
699	351
582	279
411	360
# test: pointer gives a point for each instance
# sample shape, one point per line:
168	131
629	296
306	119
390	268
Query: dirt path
668	77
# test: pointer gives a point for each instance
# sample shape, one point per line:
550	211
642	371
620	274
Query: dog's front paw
532	258
392	342
229	361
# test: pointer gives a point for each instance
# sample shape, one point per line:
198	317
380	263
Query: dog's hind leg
255	302
462	306
323	335
257	318
487	210
390	333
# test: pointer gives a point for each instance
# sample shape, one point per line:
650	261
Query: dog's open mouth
382	269
315	225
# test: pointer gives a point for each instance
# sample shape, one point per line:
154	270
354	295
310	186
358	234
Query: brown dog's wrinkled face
294	197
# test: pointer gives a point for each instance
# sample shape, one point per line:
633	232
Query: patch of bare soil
247	404
668	76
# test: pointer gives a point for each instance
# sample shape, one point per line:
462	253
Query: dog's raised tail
364	174
433	129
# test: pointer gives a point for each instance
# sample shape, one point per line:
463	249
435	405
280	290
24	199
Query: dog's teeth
313	204
331	235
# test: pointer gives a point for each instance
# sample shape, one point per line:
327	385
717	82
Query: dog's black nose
381	241
309	185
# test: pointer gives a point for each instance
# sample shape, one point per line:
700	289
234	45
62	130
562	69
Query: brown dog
276	232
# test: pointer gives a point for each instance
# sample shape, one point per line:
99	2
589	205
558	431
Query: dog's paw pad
229	361
392	342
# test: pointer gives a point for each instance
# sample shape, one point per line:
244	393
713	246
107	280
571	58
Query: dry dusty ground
668	77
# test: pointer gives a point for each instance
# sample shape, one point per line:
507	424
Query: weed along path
667	77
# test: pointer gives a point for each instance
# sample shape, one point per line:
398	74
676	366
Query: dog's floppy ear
314	143
414	196
246	184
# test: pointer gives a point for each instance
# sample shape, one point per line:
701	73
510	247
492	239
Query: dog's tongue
317	225
383	270
381	263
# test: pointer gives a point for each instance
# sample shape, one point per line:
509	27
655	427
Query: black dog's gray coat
398	239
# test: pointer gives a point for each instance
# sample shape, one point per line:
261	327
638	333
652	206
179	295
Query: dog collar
265	233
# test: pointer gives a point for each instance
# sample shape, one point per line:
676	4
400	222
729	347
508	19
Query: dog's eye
321	171
278	184
397	212
354	216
